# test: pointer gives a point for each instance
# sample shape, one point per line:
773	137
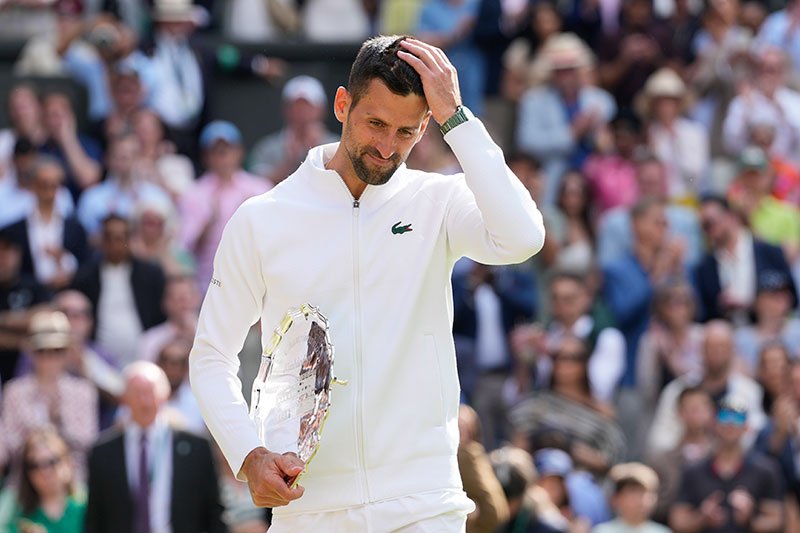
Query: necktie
142	511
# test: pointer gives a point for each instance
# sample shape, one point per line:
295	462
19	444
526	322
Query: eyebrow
370	116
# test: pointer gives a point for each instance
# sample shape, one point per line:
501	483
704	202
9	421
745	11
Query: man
208	205
125	292
371	243
147	476
173	359
727	275
304	106
53	245
634	498
181	306
731	491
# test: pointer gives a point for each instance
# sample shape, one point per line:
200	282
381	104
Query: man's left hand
439	77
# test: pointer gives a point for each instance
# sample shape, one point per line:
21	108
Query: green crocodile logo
397	229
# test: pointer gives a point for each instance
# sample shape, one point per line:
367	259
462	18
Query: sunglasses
733	418
45	464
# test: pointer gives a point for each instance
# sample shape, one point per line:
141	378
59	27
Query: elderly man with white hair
147	476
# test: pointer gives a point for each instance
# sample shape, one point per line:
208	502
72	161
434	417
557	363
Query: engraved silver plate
291	393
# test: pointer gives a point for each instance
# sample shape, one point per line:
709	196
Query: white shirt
178	95
118	324
44	235
490	340
159	457
736	270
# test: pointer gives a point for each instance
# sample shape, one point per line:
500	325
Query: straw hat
49	330
565	51
663	83
175	11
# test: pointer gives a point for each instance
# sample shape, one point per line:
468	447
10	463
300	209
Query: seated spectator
681	144
719	377
696	412
206	207
672	345
773	320
25	121
20	297
727	276
614	232
304	105
480	482
127	98
79	154
730	491
773	373
573	316
568	408
173	359
635	494
576	250
558	122
181	306
125	292
121	189
127	492
49	498
155	228
53	245
50	396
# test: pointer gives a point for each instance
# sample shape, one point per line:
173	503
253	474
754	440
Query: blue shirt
775	32
108	197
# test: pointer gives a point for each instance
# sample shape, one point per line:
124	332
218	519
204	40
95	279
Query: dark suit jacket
707	284
73	240
147	280
195	502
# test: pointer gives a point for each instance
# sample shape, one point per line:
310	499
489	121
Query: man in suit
125	292
53	245
725	279
148	476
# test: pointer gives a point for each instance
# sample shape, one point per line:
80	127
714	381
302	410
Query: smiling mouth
379	160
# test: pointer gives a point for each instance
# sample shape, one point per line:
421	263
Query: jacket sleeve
490	217
232	305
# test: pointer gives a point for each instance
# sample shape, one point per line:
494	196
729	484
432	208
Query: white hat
49	330
305	88
566	50
175	11
663	83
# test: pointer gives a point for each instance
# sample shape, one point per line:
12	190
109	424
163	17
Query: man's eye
376	123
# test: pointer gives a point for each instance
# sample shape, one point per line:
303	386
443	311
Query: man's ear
424	126
341	104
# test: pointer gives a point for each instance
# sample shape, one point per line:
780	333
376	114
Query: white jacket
392	431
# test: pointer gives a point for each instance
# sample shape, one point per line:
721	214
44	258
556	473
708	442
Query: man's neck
46	211
340	162
728	458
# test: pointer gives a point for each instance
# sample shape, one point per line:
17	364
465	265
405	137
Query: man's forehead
379	101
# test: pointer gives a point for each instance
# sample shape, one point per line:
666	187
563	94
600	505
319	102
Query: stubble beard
368	175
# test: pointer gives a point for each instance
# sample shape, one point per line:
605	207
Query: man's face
57	109
300	112
23	106
696	411
115	241
634	503
174	361
10	261
143	400
46	182
122	156
651	226
717	352
651	179
379	131
730	427
569	300
714	221
224	158
181	298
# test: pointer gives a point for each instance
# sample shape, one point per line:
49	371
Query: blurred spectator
496	23
684	24
672	344
20	296
206	207
125	292
25	121
158	159
773	373
127	95
727	276
531	509
449	24
634	499
22	19
304	106
573	316
53	245
614	236
50	396
780	30
121	189
574	201
696	412
432	154
786	175
730	491
78	153
568	408
611	169
147	475
628	282
480	482
557	122
48	496
633	51
154	237
767	98
487	303
719	377
555	468
775	221
174	361
773	320
181	305
256	21
524	65
240	515
332	21
681	144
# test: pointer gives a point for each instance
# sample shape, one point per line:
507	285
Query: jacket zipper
359	411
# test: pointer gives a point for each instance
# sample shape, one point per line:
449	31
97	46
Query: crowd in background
641	373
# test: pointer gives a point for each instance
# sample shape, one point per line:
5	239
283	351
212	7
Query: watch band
461	115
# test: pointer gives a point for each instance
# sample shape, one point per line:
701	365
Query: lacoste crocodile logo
397	229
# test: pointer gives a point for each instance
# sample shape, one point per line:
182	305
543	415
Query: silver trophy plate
291	393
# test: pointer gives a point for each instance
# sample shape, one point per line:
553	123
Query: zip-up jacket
379	268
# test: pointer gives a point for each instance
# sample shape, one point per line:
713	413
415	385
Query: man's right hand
269	475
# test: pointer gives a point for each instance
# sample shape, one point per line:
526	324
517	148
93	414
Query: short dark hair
691	391
378	58
716	199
